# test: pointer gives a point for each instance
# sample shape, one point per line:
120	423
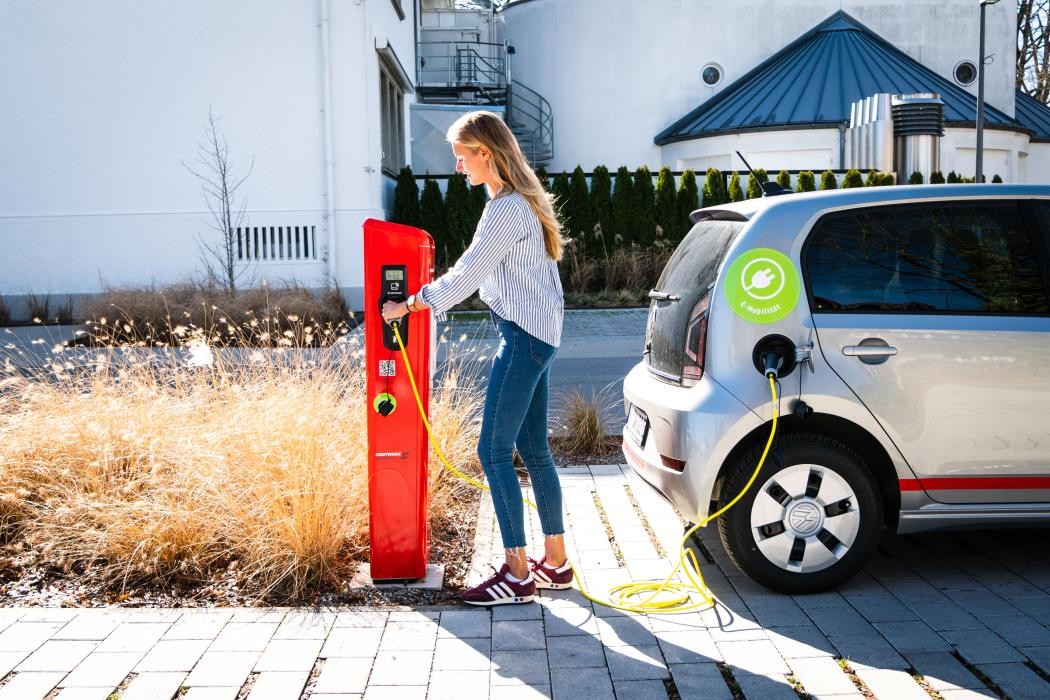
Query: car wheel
810	520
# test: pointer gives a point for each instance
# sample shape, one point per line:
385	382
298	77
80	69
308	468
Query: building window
965	72
392	116
711	74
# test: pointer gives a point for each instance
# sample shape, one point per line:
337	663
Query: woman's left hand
393	310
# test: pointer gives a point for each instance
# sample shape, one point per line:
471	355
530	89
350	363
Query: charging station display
398	260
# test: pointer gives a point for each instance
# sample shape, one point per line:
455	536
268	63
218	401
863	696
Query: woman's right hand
393	310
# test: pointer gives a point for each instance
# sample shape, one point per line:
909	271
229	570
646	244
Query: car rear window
970	257
688	274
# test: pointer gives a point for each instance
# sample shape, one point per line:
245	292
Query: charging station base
431	582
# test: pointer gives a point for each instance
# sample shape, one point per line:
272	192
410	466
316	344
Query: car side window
1043	235
925	258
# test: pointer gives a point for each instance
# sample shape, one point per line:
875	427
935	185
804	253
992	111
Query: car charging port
774	355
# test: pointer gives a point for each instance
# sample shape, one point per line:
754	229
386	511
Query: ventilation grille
918	115
275	243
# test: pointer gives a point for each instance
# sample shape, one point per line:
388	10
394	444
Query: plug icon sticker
762	285
762	278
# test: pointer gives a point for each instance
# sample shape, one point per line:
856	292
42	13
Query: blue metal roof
1033	114
812	82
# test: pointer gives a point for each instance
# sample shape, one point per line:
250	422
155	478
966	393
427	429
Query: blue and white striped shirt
507	260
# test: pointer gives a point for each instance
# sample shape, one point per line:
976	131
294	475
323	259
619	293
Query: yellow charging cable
665	596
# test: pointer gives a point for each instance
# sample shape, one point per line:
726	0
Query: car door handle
663	296
869	350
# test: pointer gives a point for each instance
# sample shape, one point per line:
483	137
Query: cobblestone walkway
942	616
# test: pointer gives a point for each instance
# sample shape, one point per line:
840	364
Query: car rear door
937	318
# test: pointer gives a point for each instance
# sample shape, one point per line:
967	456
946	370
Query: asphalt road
599	347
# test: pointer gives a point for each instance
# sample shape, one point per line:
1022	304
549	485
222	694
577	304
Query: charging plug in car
774	355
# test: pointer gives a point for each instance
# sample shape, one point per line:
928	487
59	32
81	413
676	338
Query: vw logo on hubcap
804	518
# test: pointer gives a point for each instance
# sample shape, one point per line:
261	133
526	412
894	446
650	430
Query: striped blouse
508	262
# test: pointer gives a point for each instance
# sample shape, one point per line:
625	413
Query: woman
513	260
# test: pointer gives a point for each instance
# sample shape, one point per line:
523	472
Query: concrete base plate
432	581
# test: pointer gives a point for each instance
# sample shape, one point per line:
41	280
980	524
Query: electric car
910	330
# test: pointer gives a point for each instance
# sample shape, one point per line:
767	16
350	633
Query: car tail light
695	342
671	463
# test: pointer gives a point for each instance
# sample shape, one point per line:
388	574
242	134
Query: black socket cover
776	344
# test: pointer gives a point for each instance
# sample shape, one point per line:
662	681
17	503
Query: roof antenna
769	189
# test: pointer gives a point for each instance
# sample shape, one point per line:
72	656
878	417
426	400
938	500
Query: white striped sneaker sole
502	601
552	586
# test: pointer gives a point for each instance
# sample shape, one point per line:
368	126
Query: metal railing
529	114
470	64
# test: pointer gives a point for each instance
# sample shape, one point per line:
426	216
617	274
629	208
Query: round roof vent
965	72
711	74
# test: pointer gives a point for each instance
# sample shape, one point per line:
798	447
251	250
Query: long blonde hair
509	169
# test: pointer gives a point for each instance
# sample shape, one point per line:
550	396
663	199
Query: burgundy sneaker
549	577
500	590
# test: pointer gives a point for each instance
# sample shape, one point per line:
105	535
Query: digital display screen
394	275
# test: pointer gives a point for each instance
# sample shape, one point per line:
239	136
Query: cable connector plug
774	356
772	362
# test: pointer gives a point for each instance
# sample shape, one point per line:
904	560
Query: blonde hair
509	169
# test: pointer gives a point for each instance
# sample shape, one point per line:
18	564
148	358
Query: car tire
810	520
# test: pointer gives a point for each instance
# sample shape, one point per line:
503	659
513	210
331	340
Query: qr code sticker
386	368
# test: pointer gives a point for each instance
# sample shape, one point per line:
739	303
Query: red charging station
398	261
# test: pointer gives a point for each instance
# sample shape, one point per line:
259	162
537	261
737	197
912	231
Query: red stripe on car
976	483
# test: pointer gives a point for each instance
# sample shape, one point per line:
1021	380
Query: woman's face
475	165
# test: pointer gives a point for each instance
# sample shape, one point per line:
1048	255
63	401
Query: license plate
638	425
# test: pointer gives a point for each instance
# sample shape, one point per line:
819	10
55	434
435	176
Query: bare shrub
581	271
264	316
64	313
39	307
634	269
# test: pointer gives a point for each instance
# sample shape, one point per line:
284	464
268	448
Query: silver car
910	327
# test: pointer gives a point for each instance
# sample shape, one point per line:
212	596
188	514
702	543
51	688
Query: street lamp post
979	176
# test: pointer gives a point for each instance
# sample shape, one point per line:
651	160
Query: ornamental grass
180	465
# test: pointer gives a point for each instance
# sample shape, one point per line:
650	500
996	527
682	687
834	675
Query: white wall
112	97
1035	162
359	181
617	73
1002	155
813	149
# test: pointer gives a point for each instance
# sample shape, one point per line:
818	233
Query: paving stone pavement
945	616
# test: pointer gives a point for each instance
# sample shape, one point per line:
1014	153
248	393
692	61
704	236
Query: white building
107	100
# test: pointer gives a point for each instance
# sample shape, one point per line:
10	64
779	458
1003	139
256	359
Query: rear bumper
700	424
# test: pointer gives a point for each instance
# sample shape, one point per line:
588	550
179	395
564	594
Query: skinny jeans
515	415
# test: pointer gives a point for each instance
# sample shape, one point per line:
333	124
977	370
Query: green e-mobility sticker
762	286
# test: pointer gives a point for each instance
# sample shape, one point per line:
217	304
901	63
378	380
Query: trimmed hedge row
605	212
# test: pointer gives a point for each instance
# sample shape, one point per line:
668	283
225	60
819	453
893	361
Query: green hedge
603	213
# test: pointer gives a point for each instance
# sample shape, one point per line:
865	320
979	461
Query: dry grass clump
260	317
160	466
634	269
583	421
625	275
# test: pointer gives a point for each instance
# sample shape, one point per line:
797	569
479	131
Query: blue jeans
516	416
